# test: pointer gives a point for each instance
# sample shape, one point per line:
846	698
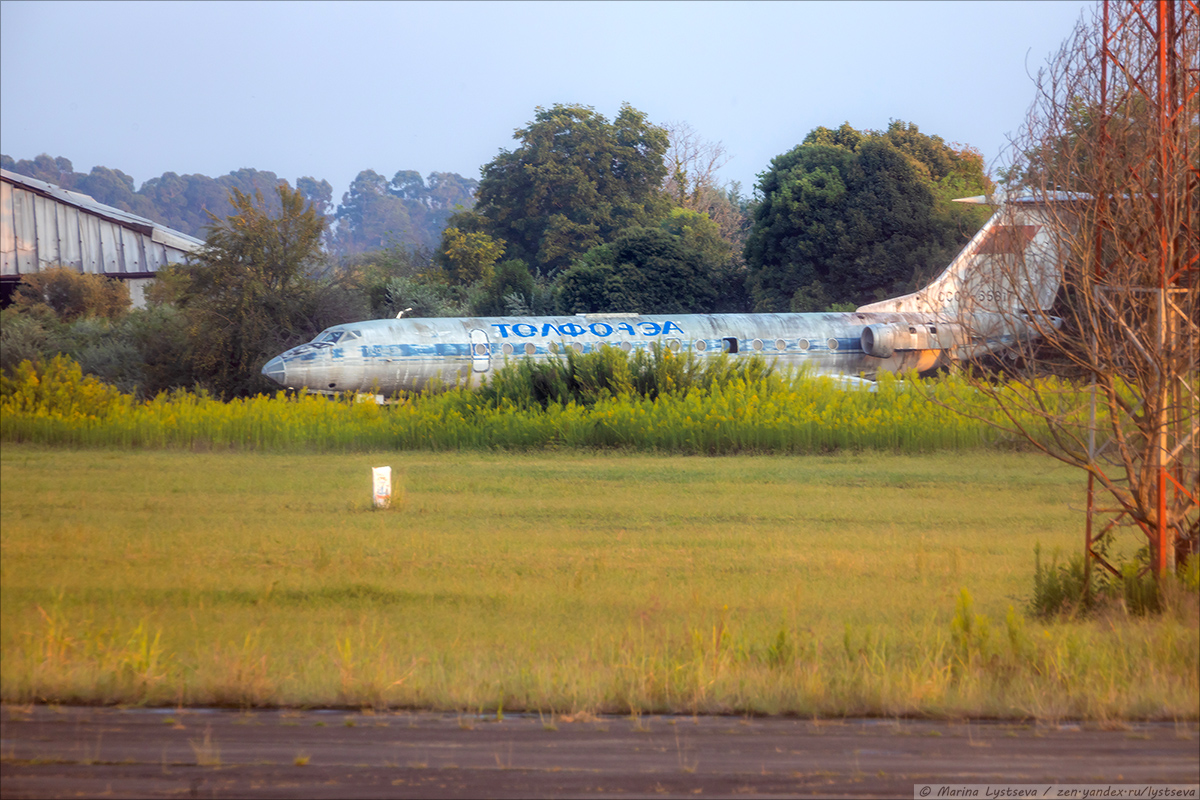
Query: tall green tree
853	216
250	293
574	182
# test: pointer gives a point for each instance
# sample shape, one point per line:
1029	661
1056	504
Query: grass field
849	584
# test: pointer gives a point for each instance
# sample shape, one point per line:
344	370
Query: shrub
71	294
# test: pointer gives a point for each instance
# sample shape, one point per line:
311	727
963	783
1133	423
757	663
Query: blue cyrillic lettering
571	329
517	329
654	328
600	329
671	326
503	329
625	326
549	330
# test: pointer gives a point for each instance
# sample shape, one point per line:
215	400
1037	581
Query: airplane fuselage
976	304
388	355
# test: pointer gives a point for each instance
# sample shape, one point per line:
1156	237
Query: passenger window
803	344
757	344
626	346
701	345
730	344
506	348
530	349
780	344
832	344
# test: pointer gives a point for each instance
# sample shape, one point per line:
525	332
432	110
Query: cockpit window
329	337
349	335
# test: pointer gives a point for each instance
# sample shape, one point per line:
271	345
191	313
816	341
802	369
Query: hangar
43	225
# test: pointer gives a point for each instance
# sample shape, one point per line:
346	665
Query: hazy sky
329	89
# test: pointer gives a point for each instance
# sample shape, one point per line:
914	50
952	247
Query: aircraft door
481	351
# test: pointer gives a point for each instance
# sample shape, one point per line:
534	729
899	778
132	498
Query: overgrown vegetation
652	402
1067	590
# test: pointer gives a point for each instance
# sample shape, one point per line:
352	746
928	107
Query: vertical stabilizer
1009	267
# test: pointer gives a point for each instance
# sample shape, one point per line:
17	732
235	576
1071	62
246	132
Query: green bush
587	378
1059	589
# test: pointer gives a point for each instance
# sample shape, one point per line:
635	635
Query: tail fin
1010	266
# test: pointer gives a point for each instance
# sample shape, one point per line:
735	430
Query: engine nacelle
879	340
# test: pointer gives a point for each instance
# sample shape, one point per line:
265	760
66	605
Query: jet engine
879	340
883	339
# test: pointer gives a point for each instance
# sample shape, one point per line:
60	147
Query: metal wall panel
8	242
24	231
45	221
89	234
154	255
131	251
110	247
68	235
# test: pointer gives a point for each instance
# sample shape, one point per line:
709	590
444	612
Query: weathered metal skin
390	355
961	312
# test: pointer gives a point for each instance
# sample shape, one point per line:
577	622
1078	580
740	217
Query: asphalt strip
55	751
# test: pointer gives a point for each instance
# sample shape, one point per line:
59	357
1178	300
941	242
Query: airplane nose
276	370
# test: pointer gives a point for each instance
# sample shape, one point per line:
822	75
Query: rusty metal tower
1163	80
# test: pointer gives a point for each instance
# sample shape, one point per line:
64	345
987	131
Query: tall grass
563	582
662	403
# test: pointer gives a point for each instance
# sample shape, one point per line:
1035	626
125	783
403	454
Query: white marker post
381	478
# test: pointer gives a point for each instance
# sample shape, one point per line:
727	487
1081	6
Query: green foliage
698	233
468	257
575	181
29	337
588	378
143	352
852	217
71	294
102	352
249	294
645	270
58	390
512	290
374	271
674	404
1058	589
418	296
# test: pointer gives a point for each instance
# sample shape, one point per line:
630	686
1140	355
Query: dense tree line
375	213
582	215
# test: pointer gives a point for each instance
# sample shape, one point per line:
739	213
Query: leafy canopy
853	216
574	182
646	270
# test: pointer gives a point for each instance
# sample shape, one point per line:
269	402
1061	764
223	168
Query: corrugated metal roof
160	233
42	225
